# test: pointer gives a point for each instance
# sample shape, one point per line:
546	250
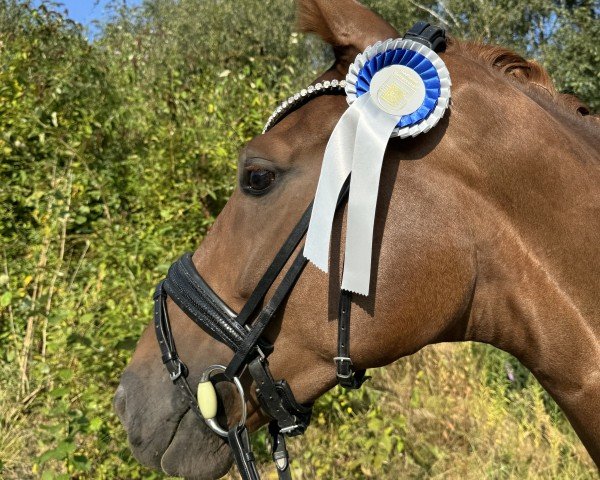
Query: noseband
243	332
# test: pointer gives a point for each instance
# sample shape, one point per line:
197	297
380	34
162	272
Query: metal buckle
175	375
261	354
212	422
339	361
289	429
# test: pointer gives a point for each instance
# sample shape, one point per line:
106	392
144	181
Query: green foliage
116	155
572	55
559	34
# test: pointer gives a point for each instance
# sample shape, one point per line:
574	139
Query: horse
487	229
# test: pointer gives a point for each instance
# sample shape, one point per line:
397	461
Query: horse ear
346	25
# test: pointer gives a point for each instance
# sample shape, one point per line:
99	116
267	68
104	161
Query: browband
333	87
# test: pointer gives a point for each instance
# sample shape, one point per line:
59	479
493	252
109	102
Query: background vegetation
116	155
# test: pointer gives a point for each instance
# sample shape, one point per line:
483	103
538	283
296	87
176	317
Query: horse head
453	243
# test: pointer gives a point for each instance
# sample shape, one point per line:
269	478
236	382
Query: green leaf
86	317
5	299
59	453
127	343
76	338
65	374
59	392
95	424
81	462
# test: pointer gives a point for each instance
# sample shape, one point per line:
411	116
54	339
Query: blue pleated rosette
416	56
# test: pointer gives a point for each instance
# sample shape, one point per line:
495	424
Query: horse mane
529	75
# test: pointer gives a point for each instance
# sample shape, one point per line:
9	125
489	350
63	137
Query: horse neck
536	225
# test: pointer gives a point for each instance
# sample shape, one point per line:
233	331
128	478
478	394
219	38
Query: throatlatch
401	83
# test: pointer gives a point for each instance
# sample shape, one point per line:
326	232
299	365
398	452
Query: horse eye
259	180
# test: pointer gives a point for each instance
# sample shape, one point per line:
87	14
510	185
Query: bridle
191	293
243	332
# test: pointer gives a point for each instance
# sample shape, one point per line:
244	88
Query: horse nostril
120	402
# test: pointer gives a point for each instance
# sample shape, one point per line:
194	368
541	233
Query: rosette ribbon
397	88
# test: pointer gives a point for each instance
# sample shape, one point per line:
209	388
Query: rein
243	332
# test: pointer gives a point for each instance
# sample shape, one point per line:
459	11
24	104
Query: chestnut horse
487	230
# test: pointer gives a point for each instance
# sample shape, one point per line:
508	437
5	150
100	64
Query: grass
444	413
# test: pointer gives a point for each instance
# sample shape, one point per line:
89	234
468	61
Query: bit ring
207	399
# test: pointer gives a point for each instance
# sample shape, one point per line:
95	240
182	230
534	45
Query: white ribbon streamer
337	164
357	144
372	135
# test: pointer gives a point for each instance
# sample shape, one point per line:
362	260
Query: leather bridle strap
346	375
239	443
242	453
276	398
193	295
265	316
279	452
178	371
283	255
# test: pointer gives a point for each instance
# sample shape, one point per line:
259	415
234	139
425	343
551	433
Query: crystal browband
332	87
